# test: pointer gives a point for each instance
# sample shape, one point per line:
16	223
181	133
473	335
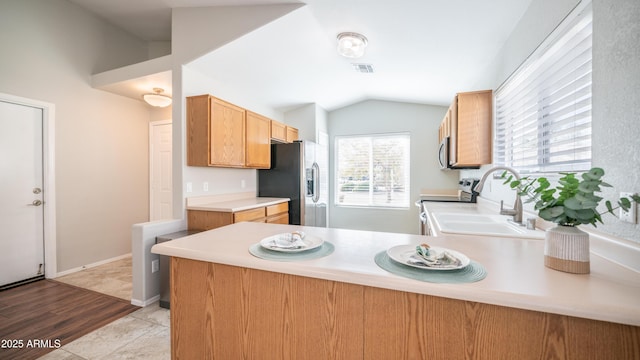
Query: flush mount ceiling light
157	99
351	44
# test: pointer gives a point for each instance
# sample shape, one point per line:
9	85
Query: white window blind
372	170
543	111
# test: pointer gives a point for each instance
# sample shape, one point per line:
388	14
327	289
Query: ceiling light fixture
157	99
351	44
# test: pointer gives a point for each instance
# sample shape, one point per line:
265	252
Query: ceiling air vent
363	68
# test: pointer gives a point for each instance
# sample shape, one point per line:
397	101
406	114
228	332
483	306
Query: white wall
374	117
616	93
311	120
536	24
50	49
145	283
616	102
197	31
159	114
303	119
322	125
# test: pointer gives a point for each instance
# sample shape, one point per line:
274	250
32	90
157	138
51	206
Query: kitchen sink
482	224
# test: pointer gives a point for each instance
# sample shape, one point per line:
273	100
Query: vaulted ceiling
421	51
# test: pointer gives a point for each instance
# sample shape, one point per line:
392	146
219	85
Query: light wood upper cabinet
445	125
258	141
215	132
278	131
282	133
292	134
198	143
225	135
468	124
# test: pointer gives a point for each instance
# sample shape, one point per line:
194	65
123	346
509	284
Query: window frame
405	202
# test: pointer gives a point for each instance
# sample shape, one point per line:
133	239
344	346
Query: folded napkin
428	257
288	241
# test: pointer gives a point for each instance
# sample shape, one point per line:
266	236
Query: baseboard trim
141	303
88	266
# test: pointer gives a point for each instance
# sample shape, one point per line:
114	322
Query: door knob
35	203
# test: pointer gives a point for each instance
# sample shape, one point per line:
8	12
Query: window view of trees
373	170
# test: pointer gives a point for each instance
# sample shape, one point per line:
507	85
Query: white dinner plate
402	253
310	241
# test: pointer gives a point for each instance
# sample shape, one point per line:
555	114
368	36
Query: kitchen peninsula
227	303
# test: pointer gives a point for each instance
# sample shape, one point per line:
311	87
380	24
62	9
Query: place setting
430	264
291	246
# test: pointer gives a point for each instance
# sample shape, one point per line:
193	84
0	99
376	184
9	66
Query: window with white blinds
543	111
372	170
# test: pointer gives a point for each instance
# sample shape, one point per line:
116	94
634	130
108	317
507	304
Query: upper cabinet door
258	141
198	121
292	134
473	128
227	134
278	131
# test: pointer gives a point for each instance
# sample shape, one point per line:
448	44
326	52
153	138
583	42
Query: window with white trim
372	170
543	110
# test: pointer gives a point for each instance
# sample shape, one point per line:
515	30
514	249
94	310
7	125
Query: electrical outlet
189	187
205	186
630	215
155	266
243	184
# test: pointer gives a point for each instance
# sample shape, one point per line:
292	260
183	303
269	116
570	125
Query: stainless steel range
464	194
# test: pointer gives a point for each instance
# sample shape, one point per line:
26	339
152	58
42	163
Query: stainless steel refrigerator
299	171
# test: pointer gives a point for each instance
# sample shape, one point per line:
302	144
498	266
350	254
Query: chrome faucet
516	212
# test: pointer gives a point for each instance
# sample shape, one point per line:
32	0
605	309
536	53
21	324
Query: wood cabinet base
227	312
207	220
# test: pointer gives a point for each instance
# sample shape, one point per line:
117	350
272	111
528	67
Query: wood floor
41	316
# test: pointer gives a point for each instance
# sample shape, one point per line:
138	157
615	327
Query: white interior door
161	197
22	193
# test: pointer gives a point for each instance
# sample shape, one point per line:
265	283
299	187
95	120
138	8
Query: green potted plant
572	202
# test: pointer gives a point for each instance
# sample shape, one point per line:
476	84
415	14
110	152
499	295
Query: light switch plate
630	215
155	266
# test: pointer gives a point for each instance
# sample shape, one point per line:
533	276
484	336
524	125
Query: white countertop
516	276
237	204
440	194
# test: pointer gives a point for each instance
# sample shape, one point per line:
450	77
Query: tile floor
143	334
114	278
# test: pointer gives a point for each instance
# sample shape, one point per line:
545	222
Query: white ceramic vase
566	248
